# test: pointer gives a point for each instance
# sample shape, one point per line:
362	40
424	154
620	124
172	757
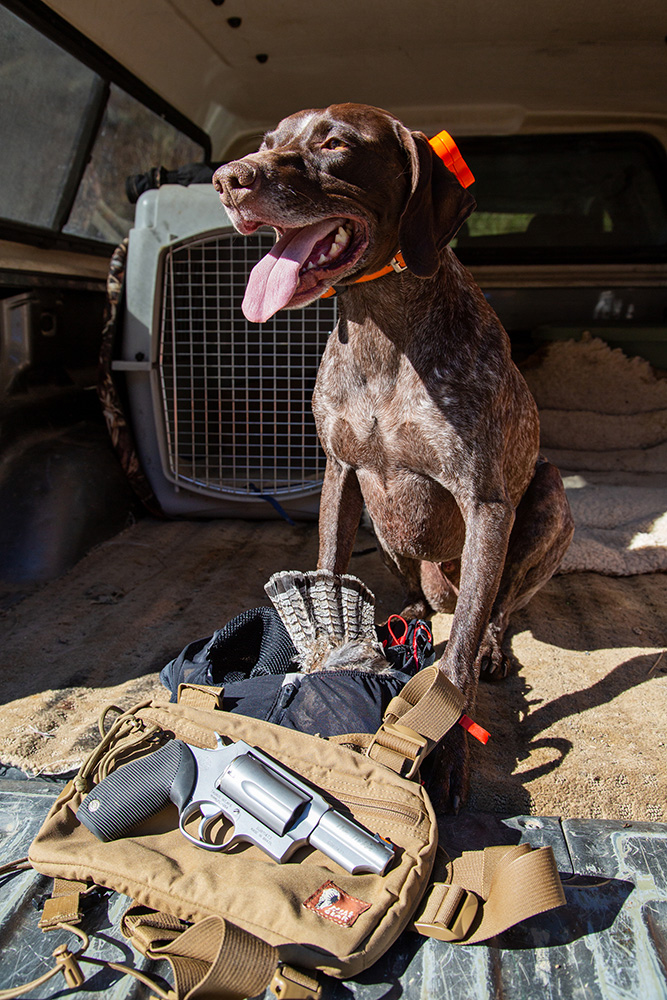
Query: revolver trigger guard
209	813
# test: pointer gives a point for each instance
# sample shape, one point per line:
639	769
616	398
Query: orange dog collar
448	151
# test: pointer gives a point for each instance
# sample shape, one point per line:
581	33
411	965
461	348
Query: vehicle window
131	140
47	99
71	135
601	193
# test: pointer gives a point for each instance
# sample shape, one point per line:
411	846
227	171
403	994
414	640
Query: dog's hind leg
541	533
440	584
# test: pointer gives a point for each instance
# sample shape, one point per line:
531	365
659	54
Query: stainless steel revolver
266	804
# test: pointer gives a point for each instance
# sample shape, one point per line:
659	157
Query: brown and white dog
421	412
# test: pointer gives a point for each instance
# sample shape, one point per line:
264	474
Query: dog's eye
334	142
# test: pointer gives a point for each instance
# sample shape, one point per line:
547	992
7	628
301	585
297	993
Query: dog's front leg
341	506
488	527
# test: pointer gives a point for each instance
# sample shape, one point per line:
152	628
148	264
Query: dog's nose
235	175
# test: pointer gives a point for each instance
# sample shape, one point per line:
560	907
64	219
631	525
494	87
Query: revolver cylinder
264	794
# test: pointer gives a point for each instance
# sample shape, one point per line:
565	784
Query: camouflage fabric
119	429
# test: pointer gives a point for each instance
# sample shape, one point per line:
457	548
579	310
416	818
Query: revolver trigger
209	813
209	809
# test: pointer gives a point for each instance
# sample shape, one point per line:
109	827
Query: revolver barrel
349	845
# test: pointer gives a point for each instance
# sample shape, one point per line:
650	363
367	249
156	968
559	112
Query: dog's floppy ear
436	208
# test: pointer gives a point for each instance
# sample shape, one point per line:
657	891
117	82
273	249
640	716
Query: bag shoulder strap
482	893
211	958
215	958
415	720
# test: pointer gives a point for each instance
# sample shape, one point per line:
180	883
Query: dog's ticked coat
420	410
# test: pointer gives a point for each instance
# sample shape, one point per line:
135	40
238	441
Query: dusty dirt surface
578	730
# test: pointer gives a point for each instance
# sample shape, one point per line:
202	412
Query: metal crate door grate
236	395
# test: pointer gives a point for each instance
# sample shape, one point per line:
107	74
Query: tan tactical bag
232	924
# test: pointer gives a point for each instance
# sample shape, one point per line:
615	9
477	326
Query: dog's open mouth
301	265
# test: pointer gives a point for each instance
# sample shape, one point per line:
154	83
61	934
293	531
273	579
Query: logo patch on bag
335	904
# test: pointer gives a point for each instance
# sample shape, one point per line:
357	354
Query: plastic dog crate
220	407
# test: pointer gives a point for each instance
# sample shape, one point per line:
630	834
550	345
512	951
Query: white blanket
620	523
604	424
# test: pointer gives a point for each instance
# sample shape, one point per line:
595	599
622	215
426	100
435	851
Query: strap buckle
404	742
293	984
454	917
398	263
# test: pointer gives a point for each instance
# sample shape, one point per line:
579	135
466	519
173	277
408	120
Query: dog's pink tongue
273	281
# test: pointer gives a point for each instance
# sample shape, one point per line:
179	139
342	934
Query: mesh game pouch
253	644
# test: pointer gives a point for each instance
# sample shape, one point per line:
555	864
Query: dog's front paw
494	666
492	663
447	773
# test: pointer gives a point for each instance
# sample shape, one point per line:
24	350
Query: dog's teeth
340	241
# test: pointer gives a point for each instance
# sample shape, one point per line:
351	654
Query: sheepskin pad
604	424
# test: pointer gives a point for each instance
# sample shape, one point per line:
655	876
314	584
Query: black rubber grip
138	790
